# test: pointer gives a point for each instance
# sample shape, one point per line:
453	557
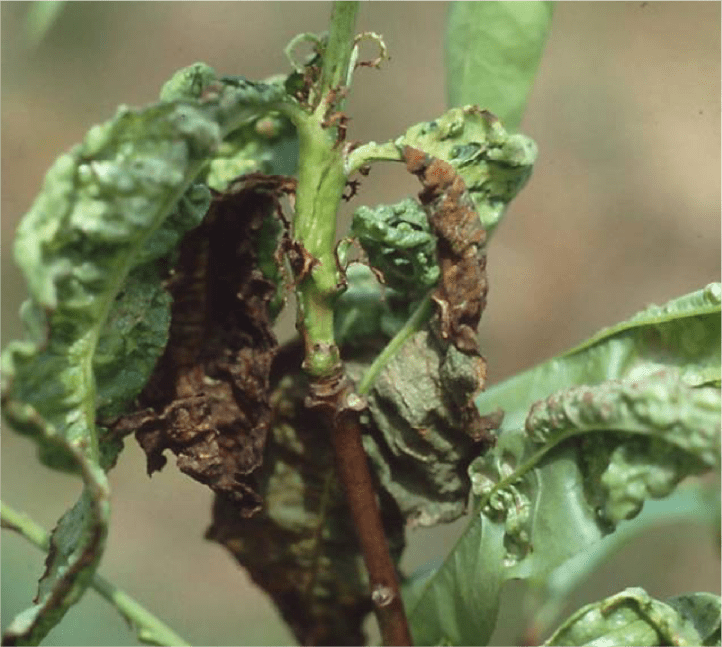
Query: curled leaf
493	164
92	249
301	548
100	205
421	444
588	457
631	617
207	400
399	243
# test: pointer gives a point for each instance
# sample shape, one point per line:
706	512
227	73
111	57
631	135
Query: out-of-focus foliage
493	50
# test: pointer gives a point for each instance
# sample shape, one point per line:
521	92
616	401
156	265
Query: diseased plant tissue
158	257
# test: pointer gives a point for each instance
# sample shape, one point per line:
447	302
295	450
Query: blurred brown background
623	210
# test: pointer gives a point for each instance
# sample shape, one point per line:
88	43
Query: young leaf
631	617
493	50
399	243
494	164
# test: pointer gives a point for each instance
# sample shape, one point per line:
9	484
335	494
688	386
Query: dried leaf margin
537	493
494	164
99	215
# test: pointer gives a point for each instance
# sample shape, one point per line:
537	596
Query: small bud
382	595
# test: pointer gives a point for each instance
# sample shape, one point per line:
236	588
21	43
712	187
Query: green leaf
76	546
494	164
99	216
546	595
493	51
631	617
40	18
452	607
399	242
683	333
703	611
97	318
587	457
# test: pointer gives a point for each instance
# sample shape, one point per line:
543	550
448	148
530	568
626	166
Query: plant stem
354	472
149	629
321	181
340	46
415	322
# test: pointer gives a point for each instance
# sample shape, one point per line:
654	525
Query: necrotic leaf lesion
208	398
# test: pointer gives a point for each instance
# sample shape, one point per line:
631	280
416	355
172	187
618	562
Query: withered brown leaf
208	398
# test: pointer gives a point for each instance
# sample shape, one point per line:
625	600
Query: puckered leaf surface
494	164
632	617
587	438
97	319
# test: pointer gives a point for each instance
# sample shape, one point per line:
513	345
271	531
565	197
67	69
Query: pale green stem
321	181
149	629
372	152
415	323
340	46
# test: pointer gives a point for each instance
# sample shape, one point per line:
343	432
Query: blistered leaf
265	142
684	333
493	50
420	446
546	595
494	164
631	617
399	243
88	249
266	145
100	204
612	458
589	456
188	83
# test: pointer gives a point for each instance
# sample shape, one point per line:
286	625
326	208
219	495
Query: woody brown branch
341	408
